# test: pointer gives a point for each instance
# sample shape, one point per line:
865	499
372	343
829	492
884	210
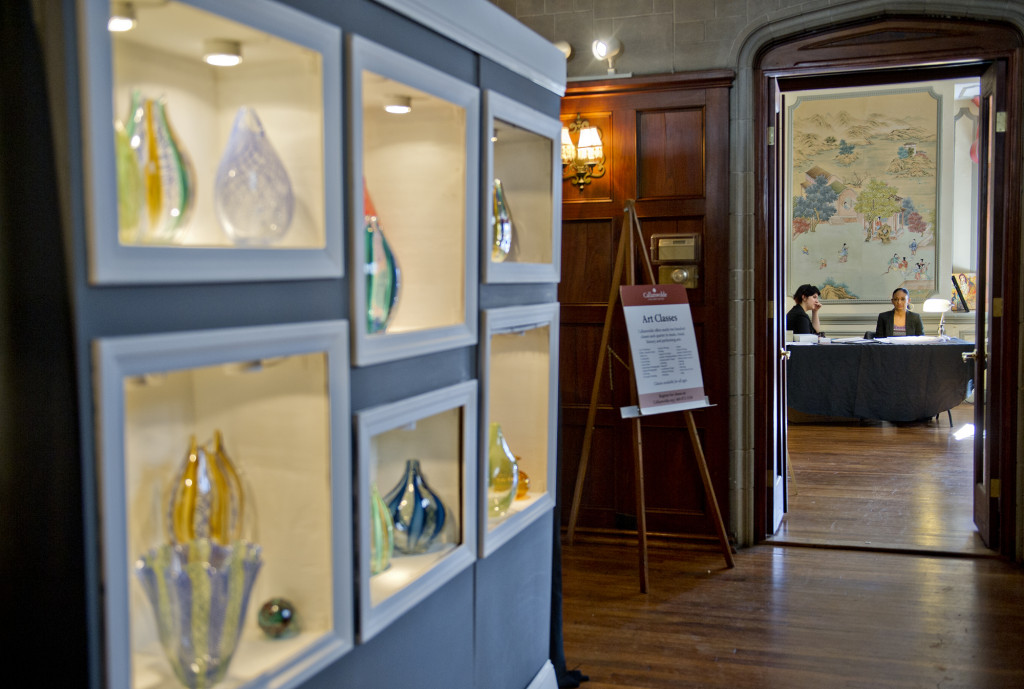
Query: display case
199	172
518	420
225	477
521	208
415	500
414	156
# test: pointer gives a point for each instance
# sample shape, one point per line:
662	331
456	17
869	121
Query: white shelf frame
111	262
500	107
370	422
516	319
119	358
381	347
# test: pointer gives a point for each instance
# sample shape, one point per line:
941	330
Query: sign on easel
666	365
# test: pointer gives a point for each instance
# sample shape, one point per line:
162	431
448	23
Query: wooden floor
874	484
890	586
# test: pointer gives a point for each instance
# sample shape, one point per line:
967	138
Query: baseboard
545	678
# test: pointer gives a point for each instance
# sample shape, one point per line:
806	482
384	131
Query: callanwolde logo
656	294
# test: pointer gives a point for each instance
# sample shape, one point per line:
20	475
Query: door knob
969	355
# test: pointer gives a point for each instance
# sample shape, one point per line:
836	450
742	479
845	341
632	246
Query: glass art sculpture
383	277
252	193
207	499
503	242
167	174
199	591
524	482
382	533
129	187
277	619
502	474
420	517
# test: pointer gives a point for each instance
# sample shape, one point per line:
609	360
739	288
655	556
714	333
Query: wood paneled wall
667	147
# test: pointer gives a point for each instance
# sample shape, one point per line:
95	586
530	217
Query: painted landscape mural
864	182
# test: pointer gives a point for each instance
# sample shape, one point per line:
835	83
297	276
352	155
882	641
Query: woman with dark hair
797	320
901	320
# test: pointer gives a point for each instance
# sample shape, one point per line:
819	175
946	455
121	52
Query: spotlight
398	105
606	49
565	47
222	52
122	17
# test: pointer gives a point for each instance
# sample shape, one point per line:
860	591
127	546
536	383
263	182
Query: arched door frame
751	209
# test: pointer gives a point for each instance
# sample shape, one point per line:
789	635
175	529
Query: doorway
900	50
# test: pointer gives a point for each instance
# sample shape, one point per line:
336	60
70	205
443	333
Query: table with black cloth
878	380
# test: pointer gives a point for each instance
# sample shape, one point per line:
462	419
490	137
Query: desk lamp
938	305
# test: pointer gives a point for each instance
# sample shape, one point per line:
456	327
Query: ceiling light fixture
606	49
398	105
122	17
222	52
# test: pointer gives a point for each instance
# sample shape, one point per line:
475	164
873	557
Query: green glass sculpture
382	533
502	474
383	277
503	239
129	187
168	177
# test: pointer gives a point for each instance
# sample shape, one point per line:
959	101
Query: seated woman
900	321
797	320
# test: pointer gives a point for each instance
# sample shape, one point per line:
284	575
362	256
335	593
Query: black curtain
41	537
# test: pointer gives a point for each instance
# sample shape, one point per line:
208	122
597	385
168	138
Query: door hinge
997	307
1000	122
993	488
771	136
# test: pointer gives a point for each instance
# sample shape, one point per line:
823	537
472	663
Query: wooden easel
628	237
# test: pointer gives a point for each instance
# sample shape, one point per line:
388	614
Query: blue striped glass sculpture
420	517
199	591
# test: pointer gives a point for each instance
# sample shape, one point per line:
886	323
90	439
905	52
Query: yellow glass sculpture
207	499
502	475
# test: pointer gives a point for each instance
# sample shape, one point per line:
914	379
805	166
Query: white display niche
279	397
416	173
519	376
520	150
439	430
288	77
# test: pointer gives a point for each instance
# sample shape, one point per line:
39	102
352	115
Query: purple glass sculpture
199	591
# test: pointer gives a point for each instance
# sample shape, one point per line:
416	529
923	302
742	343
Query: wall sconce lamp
398	105
122	17
606	49
938	305
222	52
582	152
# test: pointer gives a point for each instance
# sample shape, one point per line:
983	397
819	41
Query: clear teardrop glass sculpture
168	177
382	533
252	192
420	517
503	240
502	474
383	276
129	187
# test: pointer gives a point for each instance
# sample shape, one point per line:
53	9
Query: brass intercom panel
677	257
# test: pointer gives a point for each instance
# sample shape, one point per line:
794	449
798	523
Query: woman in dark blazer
807	298
901	320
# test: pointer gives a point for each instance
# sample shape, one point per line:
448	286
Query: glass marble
277	619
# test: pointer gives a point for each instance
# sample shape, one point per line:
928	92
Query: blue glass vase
420	517
383	277
199	591
252	192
